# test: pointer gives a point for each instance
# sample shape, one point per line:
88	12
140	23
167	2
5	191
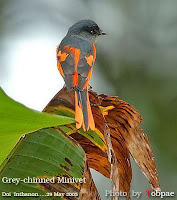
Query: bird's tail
83	112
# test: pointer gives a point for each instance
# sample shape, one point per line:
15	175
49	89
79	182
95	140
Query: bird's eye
92	32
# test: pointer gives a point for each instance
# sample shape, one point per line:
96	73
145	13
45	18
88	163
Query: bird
76	55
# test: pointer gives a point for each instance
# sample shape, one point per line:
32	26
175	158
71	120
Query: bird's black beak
102	33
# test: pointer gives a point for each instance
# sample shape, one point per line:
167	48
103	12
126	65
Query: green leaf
46	153
96	137
16	120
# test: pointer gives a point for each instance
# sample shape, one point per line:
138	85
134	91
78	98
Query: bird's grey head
86	29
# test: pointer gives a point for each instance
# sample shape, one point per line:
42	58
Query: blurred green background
136	61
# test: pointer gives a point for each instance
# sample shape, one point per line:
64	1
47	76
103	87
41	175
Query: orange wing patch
94	52
89	60
62	56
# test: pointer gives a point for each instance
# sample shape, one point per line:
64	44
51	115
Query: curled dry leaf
124	122
118	122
